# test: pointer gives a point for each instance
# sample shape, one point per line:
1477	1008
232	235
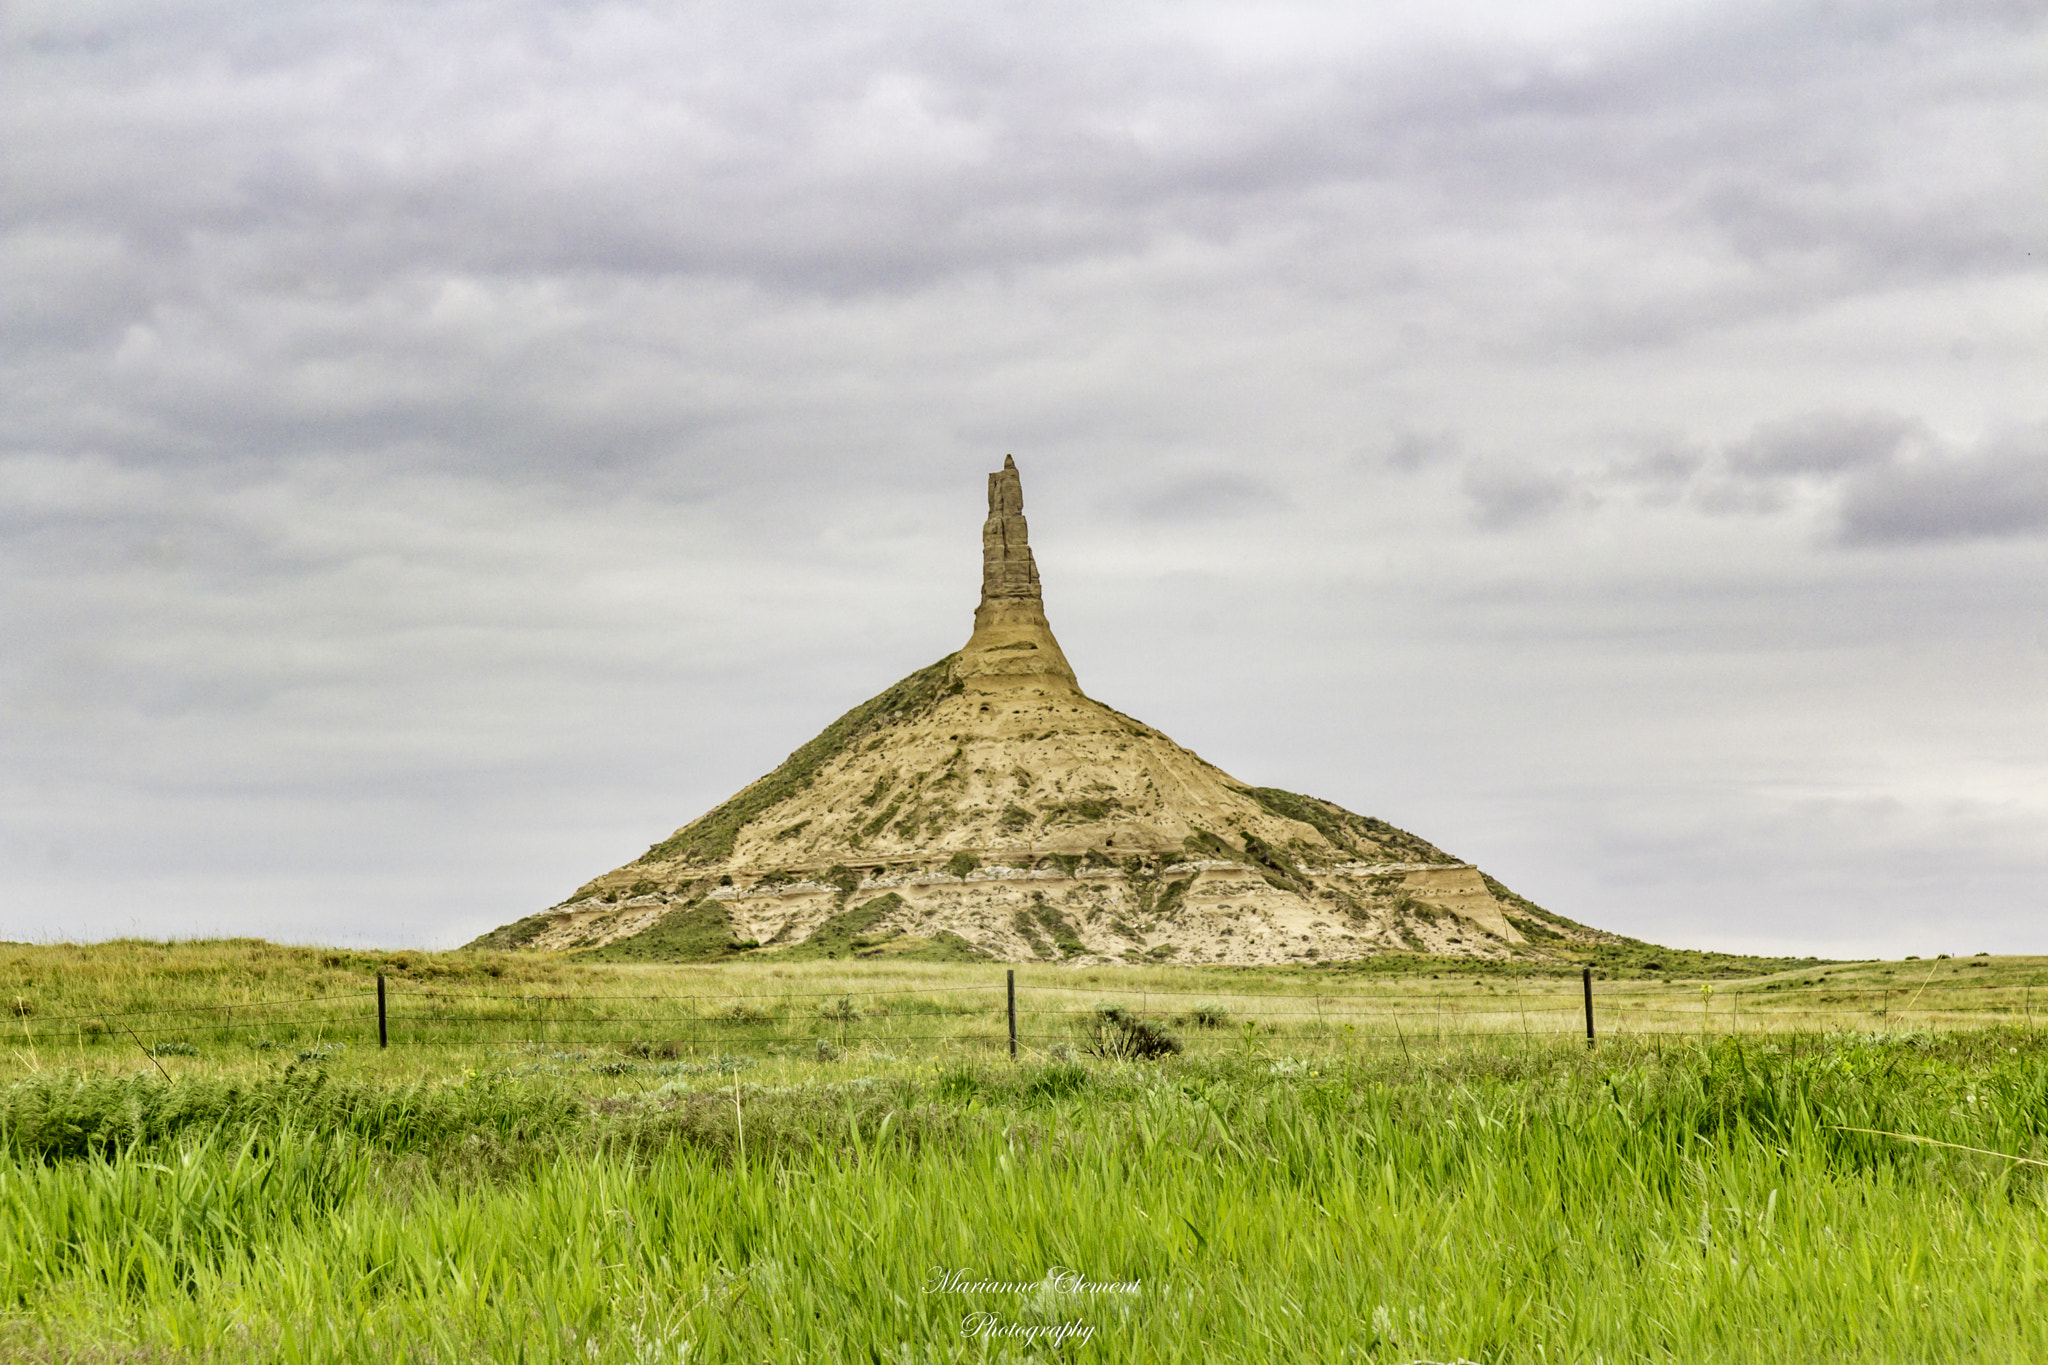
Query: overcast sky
446	447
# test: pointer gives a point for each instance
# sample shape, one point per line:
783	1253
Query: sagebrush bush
840	1011
1122	1035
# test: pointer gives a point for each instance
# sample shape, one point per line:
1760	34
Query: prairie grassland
1279	1192
205	1006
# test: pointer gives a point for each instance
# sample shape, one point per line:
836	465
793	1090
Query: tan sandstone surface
986	806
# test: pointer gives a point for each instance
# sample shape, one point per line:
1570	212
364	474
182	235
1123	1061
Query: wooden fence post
1013	1013
383	1033
1586	980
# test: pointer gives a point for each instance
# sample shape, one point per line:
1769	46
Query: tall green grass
1649	1203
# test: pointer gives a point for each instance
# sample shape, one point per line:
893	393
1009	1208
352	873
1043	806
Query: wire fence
1006	1014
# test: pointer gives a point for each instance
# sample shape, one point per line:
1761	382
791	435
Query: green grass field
207	1157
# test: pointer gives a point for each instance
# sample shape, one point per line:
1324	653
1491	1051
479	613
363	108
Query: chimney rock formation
986	807
1012	644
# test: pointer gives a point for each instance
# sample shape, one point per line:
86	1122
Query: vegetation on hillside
847	933
1347	830
700	931
710	837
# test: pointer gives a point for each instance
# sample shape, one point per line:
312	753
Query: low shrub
1124	1035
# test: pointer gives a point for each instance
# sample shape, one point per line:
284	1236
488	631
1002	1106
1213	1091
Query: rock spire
1007	569
1012	645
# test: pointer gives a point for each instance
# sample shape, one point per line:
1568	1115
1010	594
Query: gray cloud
1413	450
1202	497
1822	443
1506	495
1873	478
1890	479
785	149
1998	489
